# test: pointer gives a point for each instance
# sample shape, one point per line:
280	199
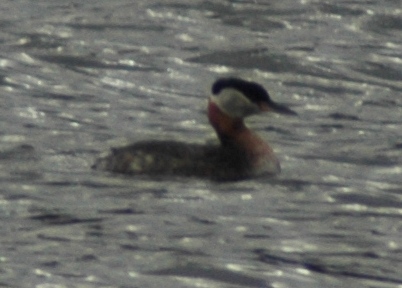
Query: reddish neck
232	131
226	127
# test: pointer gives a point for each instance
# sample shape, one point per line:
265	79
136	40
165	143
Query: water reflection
77	78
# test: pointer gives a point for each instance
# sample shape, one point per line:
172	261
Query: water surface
77	78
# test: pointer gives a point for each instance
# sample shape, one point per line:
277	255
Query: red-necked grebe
241	153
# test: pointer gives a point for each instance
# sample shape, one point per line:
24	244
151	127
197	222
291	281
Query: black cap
255	92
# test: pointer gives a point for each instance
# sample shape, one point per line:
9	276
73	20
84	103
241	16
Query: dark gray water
77	77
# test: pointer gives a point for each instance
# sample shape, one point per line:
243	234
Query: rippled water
79	77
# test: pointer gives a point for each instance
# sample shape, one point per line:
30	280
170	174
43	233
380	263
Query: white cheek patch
234	103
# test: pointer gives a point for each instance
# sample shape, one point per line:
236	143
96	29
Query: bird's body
240	154
169	158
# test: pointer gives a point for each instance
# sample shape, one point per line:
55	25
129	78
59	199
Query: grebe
241	153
